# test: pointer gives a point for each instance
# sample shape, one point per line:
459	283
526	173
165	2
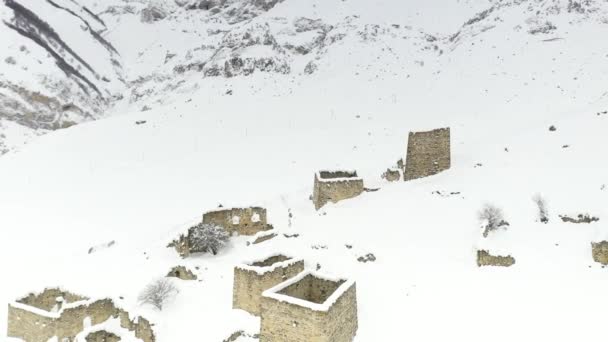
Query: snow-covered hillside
245	100
57	68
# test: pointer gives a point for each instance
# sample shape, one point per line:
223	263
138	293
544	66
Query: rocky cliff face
64	63
57	70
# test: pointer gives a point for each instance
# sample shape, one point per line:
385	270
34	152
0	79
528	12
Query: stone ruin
241	221
428	153
102	336
484	258
392	174
599	251
335	186
61	314
181	272
253	278
308	308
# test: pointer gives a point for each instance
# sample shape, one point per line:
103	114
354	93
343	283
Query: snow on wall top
261	270
325	306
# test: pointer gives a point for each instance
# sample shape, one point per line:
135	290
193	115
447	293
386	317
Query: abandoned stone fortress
55	313
295	305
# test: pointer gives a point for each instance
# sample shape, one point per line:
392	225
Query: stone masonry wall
312	289
246	224
33	327
47	300
329	189
428	153
282	321
248	285
484	258
599	251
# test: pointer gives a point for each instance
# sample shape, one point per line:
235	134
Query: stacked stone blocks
335	186
242	221
428	153
36	318
251	279
309	308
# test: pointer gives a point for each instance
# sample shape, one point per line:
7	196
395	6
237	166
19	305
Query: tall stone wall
428	153
283	321
37	325
243	221
599	251
250	282
335	186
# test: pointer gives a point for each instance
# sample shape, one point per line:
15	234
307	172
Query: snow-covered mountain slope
232	133
57	68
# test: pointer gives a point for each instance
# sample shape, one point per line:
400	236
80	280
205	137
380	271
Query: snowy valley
123	121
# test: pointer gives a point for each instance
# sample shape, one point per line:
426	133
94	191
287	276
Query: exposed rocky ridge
235	38
59	70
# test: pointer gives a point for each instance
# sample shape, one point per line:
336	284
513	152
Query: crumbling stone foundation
182	273
251	279
102	336
428	153
309	308
484	258
242	221
35	318
335	186
599	251
392	175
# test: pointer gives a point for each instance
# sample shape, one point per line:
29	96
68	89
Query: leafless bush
158	293
208	238
492	218
543	211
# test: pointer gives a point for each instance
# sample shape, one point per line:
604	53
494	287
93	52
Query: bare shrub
158	293
543	211
492	218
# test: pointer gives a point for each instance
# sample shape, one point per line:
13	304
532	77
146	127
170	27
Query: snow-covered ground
259	139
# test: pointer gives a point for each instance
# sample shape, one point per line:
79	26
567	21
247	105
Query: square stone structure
242	221
57	313
253	278
335	186
310	308
428	153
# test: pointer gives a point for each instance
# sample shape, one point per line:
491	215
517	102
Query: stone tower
428	153
335	186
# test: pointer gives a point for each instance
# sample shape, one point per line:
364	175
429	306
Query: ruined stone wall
282	321
484	258
312	289
47	300
599	251
248	285
33	327
344	322
335	190
29	326
428	153
246	224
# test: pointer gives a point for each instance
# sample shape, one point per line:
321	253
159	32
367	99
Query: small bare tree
208	238
158	293
543	211
492	218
